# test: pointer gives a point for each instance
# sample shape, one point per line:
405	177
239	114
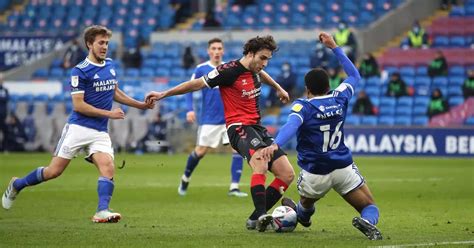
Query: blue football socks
371	214
193	161
105	189
35	177
236	167
304	214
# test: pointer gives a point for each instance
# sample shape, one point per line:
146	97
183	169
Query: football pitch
422	201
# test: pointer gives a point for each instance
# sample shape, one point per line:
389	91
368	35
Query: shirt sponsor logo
252	93
75	81
297	107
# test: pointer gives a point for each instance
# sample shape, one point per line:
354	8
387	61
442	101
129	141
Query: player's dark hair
91	32
214	40
259	43
317	81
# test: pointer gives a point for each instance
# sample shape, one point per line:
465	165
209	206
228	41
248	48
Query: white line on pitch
426	244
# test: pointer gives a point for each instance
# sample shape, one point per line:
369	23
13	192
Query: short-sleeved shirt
97	82
212	109
321	147
240	90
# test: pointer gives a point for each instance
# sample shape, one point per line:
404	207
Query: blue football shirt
319	125
212	110
97	82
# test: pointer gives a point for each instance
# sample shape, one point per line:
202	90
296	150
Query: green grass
422	200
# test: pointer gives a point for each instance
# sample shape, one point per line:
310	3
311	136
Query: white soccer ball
284	219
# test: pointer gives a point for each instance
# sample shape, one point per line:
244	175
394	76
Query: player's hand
117	113
267	153
154	96
327	40
283	95
191	116
148	105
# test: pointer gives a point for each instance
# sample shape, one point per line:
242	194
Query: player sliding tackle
239	83
325	161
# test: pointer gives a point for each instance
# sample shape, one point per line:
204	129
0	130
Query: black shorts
248	139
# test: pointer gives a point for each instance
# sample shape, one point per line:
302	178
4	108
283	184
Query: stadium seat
454	91
403	111
407	71
420	120
405	101
422	71
387	101
387	109
470	121
369	120
457	71
270	120
455	101
440	82
353	120
420	110
403	120
386	120
421	101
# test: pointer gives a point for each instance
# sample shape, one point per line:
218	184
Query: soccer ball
284	219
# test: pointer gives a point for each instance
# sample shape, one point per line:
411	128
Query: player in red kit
239	82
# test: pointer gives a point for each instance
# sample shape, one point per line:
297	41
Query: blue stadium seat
353	120
369	120
403	111
419	110
422	80
372	91
440	81
405	101
387	120
454	101
387	109
422	71
457	41
441	41
456	81
373	81
420	120
403	120
132	72
387	101
41	73
407	71
147	72
457	71
421	101
470	121
454	91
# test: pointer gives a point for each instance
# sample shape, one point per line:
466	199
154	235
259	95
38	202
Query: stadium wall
410	141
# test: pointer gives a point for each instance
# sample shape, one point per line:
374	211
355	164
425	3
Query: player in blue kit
93	89
325	161
212	130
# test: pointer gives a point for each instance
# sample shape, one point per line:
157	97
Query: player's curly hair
317	81
91	32
259	43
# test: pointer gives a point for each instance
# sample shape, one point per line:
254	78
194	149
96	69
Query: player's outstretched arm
347	65
123	98
84	108
281	93
284	135
188	86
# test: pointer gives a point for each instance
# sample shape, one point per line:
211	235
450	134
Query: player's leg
357	193
105	188
37	176
236	173
101	154
284	175
67	147
311	187
191	164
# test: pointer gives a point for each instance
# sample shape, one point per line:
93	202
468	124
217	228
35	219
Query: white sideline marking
416	179
426	244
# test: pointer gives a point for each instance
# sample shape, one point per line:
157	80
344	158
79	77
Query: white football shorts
341	180
75	137
212	135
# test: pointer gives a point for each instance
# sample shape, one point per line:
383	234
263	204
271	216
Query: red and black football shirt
240	91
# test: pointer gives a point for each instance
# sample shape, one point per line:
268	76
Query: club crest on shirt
74	81
297	107
112	71
322	108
